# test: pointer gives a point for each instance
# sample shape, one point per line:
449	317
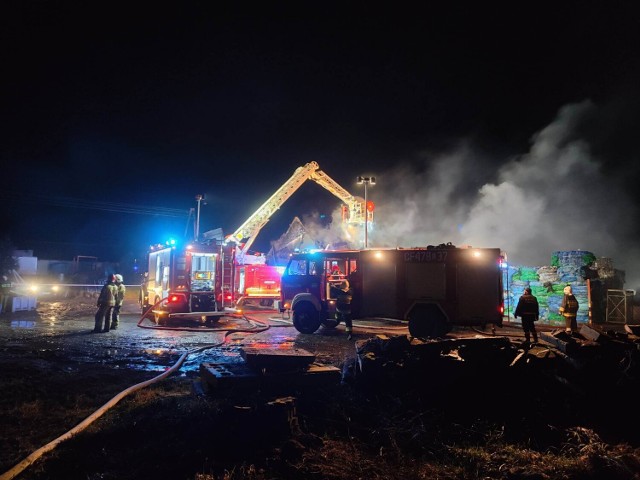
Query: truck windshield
297	267
202	272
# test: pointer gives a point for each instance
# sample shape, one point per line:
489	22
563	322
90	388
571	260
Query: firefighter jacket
108	295
527	307
120	291
569	306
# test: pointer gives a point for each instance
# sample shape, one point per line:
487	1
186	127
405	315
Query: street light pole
366	181
199	199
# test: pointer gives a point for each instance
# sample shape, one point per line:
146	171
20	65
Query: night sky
511	126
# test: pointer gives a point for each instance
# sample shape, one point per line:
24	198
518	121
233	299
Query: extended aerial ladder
355	206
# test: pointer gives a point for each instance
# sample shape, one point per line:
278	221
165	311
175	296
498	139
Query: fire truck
431	288
203	279
188	282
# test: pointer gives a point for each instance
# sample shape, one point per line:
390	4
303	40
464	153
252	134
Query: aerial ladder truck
257	281
202	279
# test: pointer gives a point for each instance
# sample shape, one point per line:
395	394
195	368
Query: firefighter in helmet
569	310
105	304
115	313
343	306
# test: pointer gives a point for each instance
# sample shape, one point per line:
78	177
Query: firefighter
529	311
121	289
105	304
343	306
569	310
143	296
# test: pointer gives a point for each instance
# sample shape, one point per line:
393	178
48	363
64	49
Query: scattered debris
269	368
277	359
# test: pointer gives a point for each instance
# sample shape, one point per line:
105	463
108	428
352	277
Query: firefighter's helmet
119	278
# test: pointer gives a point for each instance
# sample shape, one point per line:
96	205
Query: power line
70	202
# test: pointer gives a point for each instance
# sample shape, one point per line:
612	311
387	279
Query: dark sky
495	125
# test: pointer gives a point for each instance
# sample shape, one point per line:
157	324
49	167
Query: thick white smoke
554	197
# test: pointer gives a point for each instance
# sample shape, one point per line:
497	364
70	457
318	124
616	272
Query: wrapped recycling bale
572	265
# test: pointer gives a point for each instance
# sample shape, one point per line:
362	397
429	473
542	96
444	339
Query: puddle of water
145	367
23	324
160	352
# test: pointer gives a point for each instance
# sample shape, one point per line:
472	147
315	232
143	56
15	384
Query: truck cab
310	283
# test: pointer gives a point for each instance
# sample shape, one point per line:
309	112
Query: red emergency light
176	298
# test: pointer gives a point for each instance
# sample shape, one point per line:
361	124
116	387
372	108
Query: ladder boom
354	204
248	231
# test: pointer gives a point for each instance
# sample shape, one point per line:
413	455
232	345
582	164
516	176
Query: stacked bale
547	283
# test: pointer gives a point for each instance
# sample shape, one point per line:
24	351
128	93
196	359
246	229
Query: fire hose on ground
33	457
258	326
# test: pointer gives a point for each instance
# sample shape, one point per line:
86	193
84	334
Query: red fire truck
202	281
191	282
432	288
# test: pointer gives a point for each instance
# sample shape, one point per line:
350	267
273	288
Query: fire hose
20	467
33	457
257	327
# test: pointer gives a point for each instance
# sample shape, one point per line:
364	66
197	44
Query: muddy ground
489	422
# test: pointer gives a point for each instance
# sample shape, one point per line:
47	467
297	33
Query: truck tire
427	320
306	318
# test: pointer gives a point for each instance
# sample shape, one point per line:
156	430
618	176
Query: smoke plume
556	196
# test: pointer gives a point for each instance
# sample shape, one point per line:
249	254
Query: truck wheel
427	321
305	318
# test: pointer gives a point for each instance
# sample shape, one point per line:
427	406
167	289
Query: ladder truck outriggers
431	288
202	280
